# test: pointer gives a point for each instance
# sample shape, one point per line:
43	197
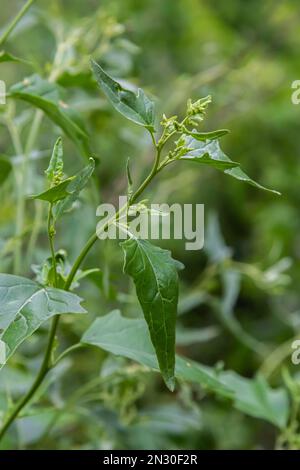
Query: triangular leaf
5	168
203	136
130	338
25	305
210	153
7	57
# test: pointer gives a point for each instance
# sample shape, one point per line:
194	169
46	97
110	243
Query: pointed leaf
5	168
208	153
56	165
130	338
46	96
56	193
156	280
66	192
78	182
135	107
25	305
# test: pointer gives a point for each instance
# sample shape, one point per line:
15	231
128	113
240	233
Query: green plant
27	304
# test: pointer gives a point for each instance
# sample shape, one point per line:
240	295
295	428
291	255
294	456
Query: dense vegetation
89	325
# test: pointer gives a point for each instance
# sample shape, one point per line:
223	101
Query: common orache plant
27	304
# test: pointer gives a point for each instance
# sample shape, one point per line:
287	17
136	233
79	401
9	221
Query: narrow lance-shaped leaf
136	107
210	153
46	96
156	280
25	305
77	184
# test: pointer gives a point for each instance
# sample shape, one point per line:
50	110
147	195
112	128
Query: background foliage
239	298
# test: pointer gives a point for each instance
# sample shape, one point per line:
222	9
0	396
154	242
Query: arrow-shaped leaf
25	305
130	338
154	272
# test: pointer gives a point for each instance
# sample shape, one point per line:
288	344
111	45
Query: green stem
20	214
15	21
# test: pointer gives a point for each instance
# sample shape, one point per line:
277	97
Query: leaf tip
170	382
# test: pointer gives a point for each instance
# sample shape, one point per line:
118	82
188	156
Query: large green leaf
46	96
156	280
210	153
5	168
25	305
7	57
136	107
130	338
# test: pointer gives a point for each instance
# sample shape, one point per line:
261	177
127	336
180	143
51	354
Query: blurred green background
246	55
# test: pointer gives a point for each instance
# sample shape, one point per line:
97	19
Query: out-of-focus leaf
7	57
46	96
215	246
156	280
25	305
130	338
210	153
135	107
66	192
256	398
5	168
